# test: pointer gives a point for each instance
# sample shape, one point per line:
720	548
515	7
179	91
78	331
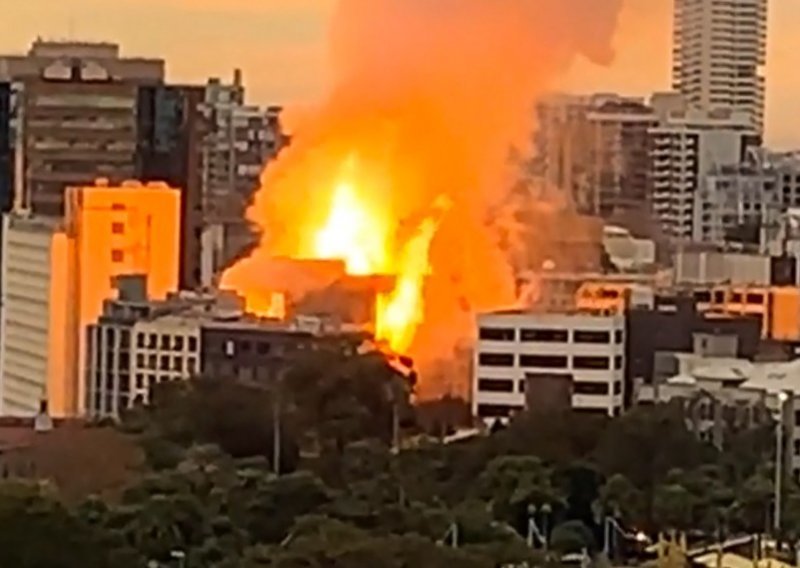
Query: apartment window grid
163	355
592	354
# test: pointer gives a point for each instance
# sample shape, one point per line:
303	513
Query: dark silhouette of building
671	326
169	148
6	150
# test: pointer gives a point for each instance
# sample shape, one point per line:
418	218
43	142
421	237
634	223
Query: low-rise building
519	353
722	395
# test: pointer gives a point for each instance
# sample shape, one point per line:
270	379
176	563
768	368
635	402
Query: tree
37	531
620	498
672	506
512	484
572	537
647	442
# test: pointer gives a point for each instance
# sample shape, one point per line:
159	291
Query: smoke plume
429	97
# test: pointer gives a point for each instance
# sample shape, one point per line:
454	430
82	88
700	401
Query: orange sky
280	44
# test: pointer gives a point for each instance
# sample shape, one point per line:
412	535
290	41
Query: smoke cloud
429	96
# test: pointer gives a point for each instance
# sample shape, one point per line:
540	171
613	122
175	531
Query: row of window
166	363
165	342
579	362
578	387
491	411
543	335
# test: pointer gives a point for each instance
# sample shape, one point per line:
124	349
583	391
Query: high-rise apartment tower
719	50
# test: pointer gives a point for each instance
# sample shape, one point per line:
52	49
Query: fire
363	236
354	233
404	167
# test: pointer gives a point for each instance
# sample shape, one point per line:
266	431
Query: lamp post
533	528
783	396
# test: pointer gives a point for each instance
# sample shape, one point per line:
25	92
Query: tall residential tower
719	50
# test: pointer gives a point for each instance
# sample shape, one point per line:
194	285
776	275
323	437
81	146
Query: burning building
404	171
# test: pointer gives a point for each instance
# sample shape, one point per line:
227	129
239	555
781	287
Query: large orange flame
426	98
362	235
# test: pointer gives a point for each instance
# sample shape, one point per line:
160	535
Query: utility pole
776	519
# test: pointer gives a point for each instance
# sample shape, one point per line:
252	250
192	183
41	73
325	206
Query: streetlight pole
779	442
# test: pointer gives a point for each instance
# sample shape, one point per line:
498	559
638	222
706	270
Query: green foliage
37	531
572	537
350	501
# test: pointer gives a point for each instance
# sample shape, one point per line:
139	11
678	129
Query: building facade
7	141
595	148
684	148
171	129
34	344
58	276
139	342
516	349
719	50
75	117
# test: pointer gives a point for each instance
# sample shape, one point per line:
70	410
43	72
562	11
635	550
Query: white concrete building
31	344
755	194
516	349
137	343
685	147
127	360
719	50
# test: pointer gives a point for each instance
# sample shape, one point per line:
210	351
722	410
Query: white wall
519	346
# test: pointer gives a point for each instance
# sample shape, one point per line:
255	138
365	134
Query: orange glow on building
109	232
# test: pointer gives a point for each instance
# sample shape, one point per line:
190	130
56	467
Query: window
165	342
497	410
521	386
736	298
543	361
164	363
263	348
797	447
496	360
617	387
597	389
618	336
495	385
191	365
545	335
139	360
192	344
140	340
229	348
719	297
177	343
588	336
591	363
151	362
702	296
152	341
117	228
177	364
117	207
755	298
618	362
124	338
117	255
245	346
497	334
139	381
